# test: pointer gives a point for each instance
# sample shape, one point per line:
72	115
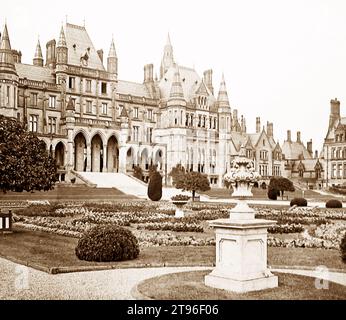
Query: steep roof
190	82
238	139
133	88
309	164
78	43
292	150
34	72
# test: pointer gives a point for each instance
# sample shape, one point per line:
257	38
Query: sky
282	60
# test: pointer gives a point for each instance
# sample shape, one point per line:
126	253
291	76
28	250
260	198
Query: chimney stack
208	79
148	73
270	132
51	54
289	136
316	154
309	147
334	111
298	137
258	125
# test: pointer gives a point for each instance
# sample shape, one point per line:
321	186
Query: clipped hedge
343	248
299	202
155	187
107	243
273	194
333	204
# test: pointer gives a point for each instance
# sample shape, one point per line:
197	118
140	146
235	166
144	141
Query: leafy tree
178	173
194	181
24	161
155	186
281	184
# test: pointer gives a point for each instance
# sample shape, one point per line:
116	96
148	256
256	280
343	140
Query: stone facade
334	148
92	121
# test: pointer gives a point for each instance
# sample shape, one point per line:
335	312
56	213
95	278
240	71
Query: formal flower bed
317	228
171	226
171	239
286	228
331	231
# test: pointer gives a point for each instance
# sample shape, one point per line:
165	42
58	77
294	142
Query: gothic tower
61	68
168	59
8	78
112	60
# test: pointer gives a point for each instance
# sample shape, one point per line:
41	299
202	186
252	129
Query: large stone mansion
92	121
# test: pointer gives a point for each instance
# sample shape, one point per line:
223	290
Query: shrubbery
333	204
155	186
273	194
107	243
299	202
343	248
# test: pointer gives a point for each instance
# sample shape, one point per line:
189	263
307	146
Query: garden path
18	282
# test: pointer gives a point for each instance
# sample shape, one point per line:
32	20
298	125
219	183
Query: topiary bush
107	243
273	194
299	202
343	248
333	204
155	186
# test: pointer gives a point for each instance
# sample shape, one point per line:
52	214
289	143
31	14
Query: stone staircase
127	184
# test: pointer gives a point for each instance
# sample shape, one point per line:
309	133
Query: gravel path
19	282
110	284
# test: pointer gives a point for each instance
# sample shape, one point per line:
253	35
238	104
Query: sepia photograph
173	151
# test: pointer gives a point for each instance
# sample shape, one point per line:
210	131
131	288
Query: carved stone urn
241	240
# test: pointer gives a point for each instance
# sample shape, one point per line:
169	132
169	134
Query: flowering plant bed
172	226
315	228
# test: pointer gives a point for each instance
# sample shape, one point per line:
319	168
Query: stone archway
60	155
80	152
96	154
158	159
112	155
144	159
130	154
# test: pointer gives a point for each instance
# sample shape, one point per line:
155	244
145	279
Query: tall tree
281	184
194	181
155	186
24	161
178	173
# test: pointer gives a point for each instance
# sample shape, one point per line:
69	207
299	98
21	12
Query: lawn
190	286
47	251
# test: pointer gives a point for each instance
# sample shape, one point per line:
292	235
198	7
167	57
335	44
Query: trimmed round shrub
299	202
333	204
273	194
107	243
155	187
343	248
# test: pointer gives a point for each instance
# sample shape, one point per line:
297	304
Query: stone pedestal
241	252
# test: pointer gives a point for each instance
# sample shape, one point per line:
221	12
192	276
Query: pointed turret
62	50
8	77
112	51
38	58
62	38
168	59
6	56
222	99
177	88
112	60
